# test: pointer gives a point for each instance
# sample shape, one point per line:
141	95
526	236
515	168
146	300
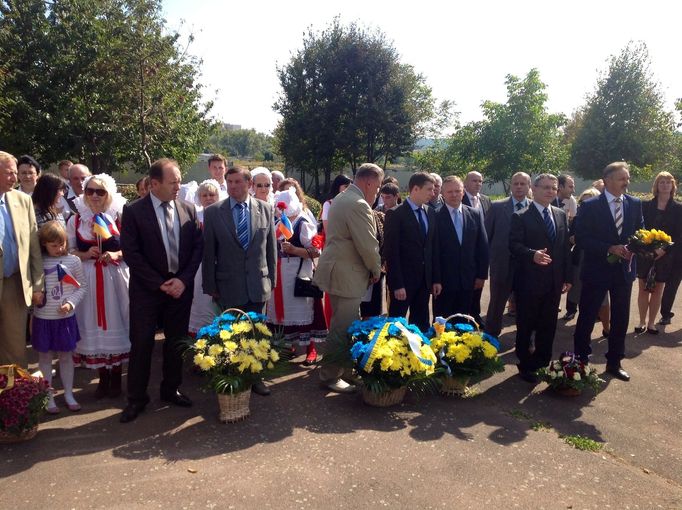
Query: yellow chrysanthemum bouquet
235	351
390	354
645	243
464	352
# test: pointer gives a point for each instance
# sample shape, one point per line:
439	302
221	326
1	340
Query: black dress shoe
529	377
569	316
177	399
652	331
131	412
259	388
639	330
618	372
665	321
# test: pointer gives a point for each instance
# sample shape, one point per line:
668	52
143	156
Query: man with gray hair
497	225
77	175
538	242
349	264
437	201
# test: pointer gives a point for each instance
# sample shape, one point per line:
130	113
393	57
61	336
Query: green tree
624	119
109	85
347	99
241	143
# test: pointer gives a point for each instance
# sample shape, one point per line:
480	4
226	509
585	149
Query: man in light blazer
497	225
460	258
240	250
349	264
161	243
22	281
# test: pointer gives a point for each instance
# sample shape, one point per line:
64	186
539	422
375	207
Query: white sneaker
341	386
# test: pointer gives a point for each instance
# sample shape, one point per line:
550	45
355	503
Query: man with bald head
498	224
77	175
473	182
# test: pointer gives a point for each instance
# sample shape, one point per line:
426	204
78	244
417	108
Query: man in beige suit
349	263
21	263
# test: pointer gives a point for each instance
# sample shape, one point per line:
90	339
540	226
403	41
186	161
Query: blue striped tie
550	226
242	226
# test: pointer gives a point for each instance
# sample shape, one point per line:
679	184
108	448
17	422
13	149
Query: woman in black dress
661	213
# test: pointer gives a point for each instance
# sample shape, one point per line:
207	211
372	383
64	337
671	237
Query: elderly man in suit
240	250
473	183
497	224
161	243
460	259
540	247
22	265
409	237
602	228
349	264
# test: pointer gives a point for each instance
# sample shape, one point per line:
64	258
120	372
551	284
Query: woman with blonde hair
661	213
103	315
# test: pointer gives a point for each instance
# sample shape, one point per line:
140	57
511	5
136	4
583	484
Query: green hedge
314	206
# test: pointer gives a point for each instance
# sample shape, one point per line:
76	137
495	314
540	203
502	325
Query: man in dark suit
540	249
460	259
602	227
409	234
240	250
161	243
473	182
497	225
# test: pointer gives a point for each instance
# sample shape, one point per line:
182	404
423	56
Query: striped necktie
551	231
618	214
172	241
242	226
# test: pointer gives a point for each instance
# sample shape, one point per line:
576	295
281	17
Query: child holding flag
55	329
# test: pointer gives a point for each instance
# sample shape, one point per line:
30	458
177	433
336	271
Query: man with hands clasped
538	242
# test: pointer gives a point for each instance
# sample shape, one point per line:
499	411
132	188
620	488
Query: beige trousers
344	312
13	313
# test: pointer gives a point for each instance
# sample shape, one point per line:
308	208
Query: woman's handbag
304	287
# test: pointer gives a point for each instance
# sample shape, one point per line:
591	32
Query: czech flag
104	227
284	227
64	276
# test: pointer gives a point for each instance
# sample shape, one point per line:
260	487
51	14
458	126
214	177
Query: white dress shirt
161	219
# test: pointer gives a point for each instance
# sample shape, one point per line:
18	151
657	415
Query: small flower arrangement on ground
235	351
23	399
464	352
569	373
390	354
645	242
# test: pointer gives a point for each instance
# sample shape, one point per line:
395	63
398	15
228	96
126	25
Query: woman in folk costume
103	315
203	310
294	259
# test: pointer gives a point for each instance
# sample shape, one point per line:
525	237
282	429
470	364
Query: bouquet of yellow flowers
389	354
645	242
465	352
235	351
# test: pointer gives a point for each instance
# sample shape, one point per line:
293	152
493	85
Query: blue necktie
242	226
550	226
8	248
422	223
458	224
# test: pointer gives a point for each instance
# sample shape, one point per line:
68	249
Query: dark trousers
670	289
147	310
453	301
417	303
591	298
535	313
475	304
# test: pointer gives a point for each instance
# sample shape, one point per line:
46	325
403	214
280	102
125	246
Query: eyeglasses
92	191
266	185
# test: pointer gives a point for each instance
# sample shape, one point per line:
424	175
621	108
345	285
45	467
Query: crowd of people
100	276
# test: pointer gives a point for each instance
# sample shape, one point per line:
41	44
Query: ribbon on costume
279	298
99	294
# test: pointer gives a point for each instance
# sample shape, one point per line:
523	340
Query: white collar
453	209
610	197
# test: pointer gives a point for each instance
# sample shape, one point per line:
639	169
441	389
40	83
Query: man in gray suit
497	225
240	250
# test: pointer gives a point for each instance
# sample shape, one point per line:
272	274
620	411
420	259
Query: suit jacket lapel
606	207
254	210
226	215
151	216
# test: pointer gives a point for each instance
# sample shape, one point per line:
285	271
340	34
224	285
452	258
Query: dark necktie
519	206
550	226
422	223
242	226
172	242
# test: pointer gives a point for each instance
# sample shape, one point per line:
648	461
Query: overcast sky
464	49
